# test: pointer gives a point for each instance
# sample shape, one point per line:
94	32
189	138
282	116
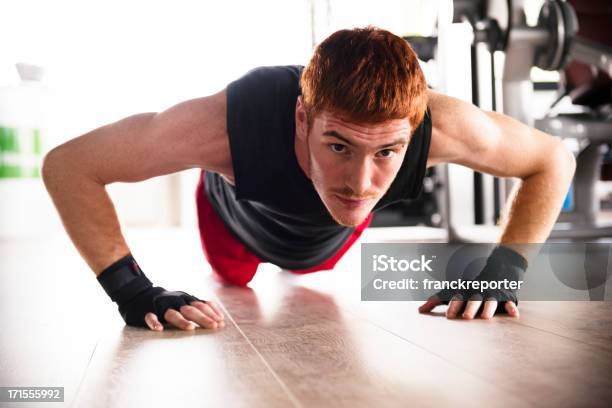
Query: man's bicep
506	147
187	135
198	129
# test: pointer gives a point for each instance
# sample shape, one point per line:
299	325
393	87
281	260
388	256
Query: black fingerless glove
503	263
125	283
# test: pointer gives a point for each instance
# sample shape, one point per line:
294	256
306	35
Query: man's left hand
455	308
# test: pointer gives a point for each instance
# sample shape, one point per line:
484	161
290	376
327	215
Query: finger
216	308
471	309
207	310
511	308
153	322
196	315
489	309
176	319
429	304
453	307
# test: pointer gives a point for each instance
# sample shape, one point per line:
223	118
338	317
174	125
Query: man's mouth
351	202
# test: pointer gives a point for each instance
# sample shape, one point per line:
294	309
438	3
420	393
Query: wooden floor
289	340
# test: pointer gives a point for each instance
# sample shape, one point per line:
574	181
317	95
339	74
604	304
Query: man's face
351	165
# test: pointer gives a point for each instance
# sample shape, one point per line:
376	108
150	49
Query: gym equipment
572	36
558	42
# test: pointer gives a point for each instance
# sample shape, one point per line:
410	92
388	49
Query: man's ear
301	119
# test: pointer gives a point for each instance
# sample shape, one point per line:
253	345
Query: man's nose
360	178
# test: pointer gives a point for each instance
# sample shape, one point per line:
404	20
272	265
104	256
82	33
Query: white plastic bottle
23	199
20	125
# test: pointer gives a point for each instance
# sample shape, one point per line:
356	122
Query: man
294	161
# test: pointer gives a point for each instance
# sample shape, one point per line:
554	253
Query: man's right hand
204	313
154	306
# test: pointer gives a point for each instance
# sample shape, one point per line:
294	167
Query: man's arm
190	134
499	145
496	144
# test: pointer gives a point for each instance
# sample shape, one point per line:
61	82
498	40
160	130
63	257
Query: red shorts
230	260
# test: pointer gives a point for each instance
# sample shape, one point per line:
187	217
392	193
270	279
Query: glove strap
123	280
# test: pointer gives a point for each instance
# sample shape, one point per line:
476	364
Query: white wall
105	60
401	17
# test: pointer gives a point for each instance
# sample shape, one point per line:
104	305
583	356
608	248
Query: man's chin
346	217
351	220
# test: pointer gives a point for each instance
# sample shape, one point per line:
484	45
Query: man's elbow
564	160
555	160
52	166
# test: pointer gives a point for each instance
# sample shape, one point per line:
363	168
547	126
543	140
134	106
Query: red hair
365	75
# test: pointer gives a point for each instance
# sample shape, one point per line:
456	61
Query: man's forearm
536	202
87	213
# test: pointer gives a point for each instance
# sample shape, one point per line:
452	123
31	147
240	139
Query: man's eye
387	153
337	148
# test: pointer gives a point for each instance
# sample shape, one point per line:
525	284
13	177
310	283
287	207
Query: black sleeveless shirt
273	209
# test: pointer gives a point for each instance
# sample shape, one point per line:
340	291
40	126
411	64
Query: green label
20	152
8	140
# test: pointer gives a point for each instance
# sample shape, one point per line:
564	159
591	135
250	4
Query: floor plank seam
292	398
78	390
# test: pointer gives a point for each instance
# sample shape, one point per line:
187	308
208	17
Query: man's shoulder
447	110
443	109
437	103
454	124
